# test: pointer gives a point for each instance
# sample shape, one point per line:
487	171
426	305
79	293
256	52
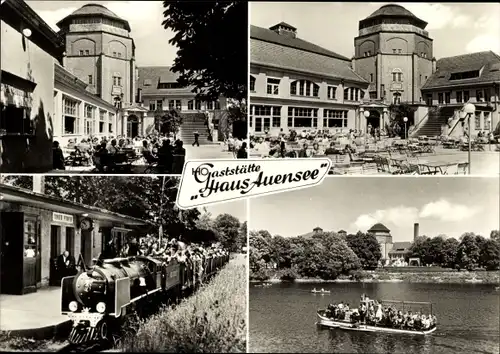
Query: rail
415	127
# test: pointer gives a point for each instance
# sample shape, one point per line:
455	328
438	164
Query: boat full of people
374	316
321	291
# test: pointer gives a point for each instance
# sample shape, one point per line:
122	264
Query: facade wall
35	65
285	99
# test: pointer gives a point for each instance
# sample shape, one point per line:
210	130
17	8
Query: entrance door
70	241
86	247
55	251
12	252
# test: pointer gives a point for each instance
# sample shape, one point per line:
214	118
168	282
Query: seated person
242	151
57	157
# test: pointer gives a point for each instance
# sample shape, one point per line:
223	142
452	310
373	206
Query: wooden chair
462	168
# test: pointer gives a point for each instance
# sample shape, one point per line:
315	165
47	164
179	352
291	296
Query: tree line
148	198
327	255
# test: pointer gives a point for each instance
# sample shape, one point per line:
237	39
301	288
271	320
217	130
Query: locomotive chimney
415	231
39	184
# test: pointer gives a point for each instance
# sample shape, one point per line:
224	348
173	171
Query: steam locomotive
97	300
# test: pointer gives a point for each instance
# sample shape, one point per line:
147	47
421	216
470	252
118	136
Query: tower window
117	81
90	80
119	55
114	54
87	52
399	51
371	77
394	51
81	52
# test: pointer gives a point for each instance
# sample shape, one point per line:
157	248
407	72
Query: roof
159	74
488	61
392	10
281	54
283	24
400	247
90	10
28	197
379	228
342	232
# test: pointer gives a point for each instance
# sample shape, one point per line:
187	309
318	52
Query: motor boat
321	291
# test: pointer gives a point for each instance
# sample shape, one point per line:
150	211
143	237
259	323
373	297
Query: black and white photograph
95	263
121	86
400	88
376	265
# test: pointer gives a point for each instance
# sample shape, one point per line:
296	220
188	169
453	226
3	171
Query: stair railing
416	126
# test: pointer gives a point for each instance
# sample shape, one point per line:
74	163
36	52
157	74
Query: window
210	105
87	52
459	97
487	122
217	105
119	55
334	118
102	120
479	96
159	104
420	79
465	75
71	116
394	51
487	96
190	105
399	51
440	98
302	117
352	94
81	52
273	86
197	104
114	54
266	117
447	97
396	98
466	96
152	105
369	53
332	92
89	120
171	104
304	88
477	120
428	99
111	118
371	77
397	75
117	81
252	83
90	79
178	105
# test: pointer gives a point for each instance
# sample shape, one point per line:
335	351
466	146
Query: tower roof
393	11
94	10
379	228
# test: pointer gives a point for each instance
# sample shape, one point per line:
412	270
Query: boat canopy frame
403	303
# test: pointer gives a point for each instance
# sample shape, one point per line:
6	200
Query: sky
238	209
144	17
457	28
449	206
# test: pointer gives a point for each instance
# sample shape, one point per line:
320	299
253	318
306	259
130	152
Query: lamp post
367	115
469	110
405	119
489	131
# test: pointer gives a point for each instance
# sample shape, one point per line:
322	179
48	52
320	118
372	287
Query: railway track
85	347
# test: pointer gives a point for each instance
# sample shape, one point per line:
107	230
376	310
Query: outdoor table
440	167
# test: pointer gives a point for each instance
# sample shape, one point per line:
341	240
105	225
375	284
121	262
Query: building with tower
384	238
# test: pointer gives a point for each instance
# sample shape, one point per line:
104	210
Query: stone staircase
437	117
192	122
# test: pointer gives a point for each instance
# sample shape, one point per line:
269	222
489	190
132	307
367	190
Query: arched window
252	83
397	75
304	88
396	98
353	94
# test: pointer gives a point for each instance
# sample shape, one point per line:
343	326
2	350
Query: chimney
317	230
434	66
415	231
39	184
284	29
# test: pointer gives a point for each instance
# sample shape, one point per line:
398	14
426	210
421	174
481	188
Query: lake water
283	316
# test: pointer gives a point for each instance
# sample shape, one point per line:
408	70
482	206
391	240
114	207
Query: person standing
242	151
57	157
196	137
66	264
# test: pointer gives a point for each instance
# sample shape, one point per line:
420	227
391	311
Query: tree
468	252
419	249
228	231
398	112
212	66
170	121
260	249
281	250
490	255
449	252
366	248
495	235
242	236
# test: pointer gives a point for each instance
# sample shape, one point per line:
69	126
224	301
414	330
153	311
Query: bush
261	274
211	321
355	275
288	274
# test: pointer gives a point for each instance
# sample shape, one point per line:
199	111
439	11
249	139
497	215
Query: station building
37	228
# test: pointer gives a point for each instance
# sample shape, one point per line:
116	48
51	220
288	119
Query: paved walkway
30	311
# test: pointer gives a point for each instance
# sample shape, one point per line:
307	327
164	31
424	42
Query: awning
13	96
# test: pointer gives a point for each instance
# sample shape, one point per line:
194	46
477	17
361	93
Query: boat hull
328	322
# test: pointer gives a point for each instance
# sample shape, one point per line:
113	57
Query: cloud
54	16
489	39
446	211
398	216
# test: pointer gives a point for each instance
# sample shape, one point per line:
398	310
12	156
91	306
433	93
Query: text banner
213	181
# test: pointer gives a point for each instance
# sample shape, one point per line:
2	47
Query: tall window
111	122
210	105
479	96
371	77
117	81
71	116
190	105
265	117
252	83
197	104
159	104
304	88
178	105
466	96
273	86
89	120
477	120
217	105
302	117
396	98
152	105
487	96
87	52
440	98
487	122
332	92
352	94
81	52
428	99
447	97
90	80
460	98
334	118
397	75
102	120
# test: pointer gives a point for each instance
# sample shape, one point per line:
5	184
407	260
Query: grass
211	321
20	344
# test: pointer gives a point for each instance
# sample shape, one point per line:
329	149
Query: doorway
12	252
55	251
70	241
86	247
373	119
132	126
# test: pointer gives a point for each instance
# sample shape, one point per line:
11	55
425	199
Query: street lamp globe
366	114
469	108
405	119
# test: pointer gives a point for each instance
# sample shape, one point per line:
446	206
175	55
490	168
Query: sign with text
211	181
62	218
